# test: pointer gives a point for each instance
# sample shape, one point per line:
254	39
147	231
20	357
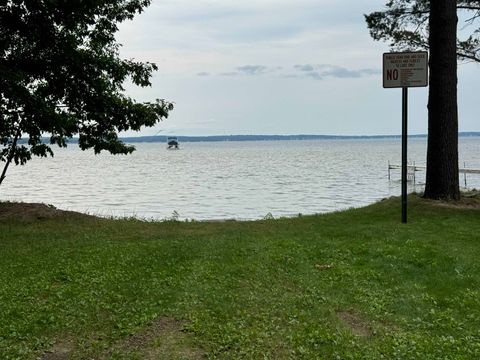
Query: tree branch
465	7
467	56
421	12
11	154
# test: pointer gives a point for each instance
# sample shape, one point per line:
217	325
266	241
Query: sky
274	67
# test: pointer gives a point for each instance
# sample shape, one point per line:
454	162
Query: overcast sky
275	67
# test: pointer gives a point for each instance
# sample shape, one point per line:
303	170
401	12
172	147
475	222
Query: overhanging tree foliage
61	76
432	25
404	25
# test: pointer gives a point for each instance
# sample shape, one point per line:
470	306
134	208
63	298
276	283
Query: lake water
224	180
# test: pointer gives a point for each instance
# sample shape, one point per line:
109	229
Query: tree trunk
442	180
11	154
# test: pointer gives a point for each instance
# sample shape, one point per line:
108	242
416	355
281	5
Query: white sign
405	69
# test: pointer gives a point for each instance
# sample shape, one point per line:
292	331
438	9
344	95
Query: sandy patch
355	323
61	350
32	211
469	200
165	338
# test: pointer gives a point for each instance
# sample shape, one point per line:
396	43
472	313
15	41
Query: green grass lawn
349	285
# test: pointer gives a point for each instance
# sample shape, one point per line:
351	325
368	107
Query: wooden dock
423	168
412	169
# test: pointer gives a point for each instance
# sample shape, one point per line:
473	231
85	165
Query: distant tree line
217	138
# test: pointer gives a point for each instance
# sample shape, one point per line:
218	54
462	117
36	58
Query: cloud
252	69
371	71
251	21
319	72
314	75
230	73
306	68
312	71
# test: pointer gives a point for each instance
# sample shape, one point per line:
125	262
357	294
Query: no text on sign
405	69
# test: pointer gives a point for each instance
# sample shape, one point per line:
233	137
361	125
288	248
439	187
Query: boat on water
172	143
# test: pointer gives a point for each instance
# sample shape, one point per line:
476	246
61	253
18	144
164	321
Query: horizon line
460	133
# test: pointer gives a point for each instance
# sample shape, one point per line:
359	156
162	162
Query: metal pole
388	170
404	152
465	173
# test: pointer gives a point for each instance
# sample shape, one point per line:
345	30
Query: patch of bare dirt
165	338
469	200
59	351
355	323
323	266
32	211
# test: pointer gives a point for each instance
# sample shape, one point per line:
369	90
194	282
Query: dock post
465	174
414	173
388	170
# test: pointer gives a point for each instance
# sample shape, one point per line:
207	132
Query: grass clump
350	285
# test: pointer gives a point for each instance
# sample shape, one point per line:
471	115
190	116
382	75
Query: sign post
404	152
404	70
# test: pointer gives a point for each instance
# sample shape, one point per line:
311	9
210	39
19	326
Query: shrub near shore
349	285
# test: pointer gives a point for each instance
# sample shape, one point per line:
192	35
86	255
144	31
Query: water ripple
243	180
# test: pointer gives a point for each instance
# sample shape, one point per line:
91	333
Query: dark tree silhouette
442	154
61	76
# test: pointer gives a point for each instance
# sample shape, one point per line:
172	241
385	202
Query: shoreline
32	211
